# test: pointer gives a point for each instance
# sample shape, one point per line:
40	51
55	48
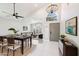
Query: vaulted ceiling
24	9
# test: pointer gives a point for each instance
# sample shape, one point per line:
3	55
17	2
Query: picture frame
71	26
25	28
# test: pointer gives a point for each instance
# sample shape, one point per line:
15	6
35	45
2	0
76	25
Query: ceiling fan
15	13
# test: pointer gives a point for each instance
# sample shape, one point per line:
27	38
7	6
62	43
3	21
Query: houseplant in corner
62	36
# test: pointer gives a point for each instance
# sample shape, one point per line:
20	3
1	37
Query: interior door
54	31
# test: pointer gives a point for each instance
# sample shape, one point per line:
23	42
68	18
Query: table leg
30	42
22	47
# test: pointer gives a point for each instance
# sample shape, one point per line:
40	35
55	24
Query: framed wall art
71	26
25	28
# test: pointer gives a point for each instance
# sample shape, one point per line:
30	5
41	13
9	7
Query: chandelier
52	8
51	12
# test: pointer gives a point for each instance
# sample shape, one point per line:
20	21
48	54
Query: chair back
10	41
1	39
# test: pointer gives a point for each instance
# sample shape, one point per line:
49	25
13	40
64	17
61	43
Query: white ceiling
24	9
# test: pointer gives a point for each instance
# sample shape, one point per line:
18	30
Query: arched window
51	16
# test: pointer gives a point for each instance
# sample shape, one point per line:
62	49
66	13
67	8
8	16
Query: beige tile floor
45	48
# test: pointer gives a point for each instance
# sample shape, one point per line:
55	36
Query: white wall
68	11
5	24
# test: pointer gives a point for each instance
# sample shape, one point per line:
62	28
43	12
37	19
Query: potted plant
62	36
13	29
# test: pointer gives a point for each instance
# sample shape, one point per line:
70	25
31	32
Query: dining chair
3	43
12	45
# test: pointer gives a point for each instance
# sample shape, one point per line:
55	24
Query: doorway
54	30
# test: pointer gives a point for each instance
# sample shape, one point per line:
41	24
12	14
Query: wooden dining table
21	38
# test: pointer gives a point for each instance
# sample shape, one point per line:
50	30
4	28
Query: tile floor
44	48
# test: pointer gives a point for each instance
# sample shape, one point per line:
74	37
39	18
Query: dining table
21	38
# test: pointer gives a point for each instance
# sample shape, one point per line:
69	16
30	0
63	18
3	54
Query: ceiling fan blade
16	17
20	16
